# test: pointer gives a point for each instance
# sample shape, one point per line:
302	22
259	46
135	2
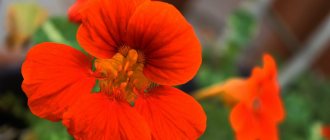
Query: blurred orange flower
139	48
258	107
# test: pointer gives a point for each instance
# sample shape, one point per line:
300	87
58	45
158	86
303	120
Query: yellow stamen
122	76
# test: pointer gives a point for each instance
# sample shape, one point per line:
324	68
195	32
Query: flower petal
55	75
269	65
269	129
245	125
104	26
172	114
172	50
75	9
248	126
271	102
98	117
270	97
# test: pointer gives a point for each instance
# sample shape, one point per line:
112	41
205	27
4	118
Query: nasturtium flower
138	50
74	12
258	107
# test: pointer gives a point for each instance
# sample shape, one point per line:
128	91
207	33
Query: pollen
122	76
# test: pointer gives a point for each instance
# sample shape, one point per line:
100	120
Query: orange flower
140	49
74	11
326	132
258	107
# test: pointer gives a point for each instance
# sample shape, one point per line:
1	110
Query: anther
122	75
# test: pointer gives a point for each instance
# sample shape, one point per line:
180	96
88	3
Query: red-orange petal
104	26
244	123
55	75
268	129
254	127
99	117
271	103
75	10
172	114
269	65
270	91
172	50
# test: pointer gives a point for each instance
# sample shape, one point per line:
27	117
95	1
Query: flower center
122	76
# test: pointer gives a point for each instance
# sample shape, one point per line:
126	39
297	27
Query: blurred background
234	35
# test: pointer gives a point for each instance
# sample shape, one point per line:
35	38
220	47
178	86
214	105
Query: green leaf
315	131
242	26
218	126
47	130
58	30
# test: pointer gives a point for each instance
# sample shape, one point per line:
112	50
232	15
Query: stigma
122	76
